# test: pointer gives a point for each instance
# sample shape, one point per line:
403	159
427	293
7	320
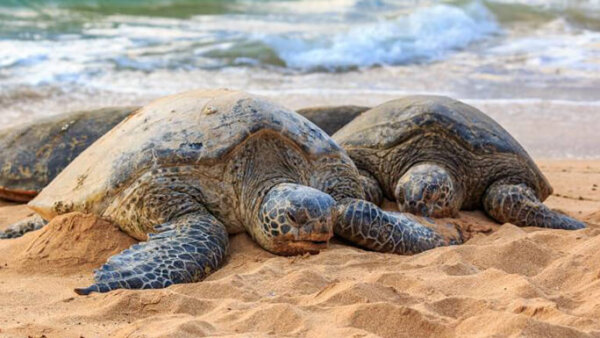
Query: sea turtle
34	153
186	170
434	156
331	118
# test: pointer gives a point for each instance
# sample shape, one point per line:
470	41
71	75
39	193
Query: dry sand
505	281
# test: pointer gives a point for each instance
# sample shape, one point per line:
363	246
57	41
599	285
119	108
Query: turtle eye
291	216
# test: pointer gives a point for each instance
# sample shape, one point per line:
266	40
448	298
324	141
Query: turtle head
295	219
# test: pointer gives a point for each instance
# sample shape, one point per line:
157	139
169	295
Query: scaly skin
428	190
295	219
517	204
373	192
184	250
365	224
22	227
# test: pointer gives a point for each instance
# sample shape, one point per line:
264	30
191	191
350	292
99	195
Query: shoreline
547	129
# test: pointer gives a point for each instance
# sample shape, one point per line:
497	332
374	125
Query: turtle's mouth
310	246
312	243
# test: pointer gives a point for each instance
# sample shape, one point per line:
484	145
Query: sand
504	281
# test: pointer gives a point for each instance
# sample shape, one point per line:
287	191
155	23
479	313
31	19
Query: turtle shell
395	121
399	121
193	128
34	153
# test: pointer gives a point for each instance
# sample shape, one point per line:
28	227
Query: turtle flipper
518	204
365	224
184	250
22	227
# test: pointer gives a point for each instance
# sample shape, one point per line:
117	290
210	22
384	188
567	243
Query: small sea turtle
186	170
33	154
434	156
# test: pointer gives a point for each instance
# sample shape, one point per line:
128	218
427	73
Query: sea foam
426	34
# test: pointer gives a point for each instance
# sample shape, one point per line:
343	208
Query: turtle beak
312	237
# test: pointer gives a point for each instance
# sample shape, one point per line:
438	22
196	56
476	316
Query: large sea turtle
34	153
434	156
186	170
31	155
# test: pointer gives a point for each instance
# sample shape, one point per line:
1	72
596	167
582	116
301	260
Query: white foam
55	61
549	49
426	34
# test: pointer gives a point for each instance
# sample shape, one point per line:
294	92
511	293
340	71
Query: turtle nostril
325	228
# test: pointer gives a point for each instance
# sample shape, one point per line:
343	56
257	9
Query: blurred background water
59	55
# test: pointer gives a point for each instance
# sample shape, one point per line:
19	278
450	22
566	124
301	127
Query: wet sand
504	281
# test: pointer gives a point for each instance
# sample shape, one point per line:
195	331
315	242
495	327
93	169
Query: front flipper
184	250
22	227
365	224
518	204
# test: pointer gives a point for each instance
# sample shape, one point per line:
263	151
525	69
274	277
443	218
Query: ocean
526	62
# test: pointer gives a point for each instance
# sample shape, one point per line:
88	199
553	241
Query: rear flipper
518	204
367	225
22	227
184	250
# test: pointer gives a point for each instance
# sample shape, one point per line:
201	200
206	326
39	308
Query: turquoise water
83	38
299	35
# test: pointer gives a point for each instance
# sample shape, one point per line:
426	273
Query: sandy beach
532	66
504	281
